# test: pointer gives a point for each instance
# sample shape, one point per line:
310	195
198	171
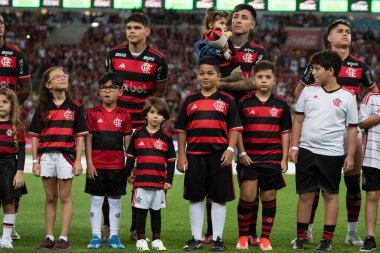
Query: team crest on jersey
248	58
68	114
146	68
117	122
351	72
273	112
6	62
219	106
337	102
159	144
9	132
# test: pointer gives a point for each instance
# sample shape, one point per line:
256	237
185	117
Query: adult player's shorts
205	176
314	171
7	173
54	164
269	176
371	179
108	183
149	198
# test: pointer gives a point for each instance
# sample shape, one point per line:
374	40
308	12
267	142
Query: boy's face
154	118
208	76
242	22
222	23
136	32
264	81
321	75
340	36
109	92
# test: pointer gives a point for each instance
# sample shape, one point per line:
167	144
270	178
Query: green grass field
175	220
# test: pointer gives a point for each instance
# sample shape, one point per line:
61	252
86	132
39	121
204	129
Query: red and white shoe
265	244
242	242
254	241
207	239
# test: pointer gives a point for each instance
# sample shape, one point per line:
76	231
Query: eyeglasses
58	77
111	88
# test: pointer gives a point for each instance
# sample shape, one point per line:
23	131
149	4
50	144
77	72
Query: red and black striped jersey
65	123
155	158
353	73
264	123
207	121
245	57
108	130
13	67
8	147
140	76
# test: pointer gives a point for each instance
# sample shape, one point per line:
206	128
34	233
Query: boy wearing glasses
110	128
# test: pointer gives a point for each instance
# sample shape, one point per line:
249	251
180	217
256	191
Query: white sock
96	214
51	237
196	219
63	238
115	210
8	222
352	226
218	217
310	228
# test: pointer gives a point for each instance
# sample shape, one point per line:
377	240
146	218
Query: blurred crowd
174	34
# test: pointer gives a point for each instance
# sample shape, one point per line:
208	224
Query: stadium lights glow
95	24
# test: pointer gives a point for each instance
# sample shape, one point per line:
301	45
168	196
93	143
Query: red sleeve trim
24	77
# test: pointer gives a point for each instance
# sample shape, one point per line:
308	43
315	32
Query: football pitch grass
175	220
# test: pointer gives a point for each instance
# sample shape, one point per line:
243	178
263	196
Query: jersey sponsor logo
146	68
273	112
158	144
120	55
141	144
122	66
68	114
117	122
249	50
100	121
9	132
248	58
368	74
133	88
148	58
337	102
21	64
351	72
219	106
7	52
351	64
6	62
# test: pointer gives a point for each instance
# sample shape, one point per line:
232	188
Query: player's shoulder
353	58
281	99
226	96
246	97
75	102
155	52
166	134
191	96
94	109
347	89
369	96
12	48
255	45
119	47
138	130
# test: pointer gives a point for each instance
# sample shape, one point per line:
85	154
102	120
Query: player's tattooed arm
242	85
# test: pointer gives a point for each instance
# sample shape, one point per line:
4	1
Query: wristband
295	148
35	161
231	149
242	154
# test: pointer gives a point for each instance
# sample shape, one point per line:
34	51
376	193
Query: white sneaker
158	245
353	238
142	245
6	243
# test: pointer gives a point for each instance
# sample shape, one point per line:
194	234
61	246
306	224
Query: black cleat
325	245
369	244
217	245
193	244
300	244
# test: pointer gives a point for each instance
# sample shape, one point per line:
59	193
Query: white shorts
149	198
345	137
54	164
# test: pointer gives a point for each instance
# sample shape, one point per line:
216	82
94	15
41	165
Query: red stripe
263	111
148	184
58	131
263	152
143	143
55	144
262	128
207	105
134	65
24	77
206	123
151	172
131	99
199	152
34	134
8	79
151	159
207	139
262	140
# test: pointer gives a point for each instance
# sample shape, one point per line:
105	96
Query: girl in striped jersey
12	159
57	131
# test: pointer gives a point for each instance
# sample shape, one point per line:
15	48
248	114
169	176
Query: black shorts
7	173
269	176
205	177
111	183
315	172
371	179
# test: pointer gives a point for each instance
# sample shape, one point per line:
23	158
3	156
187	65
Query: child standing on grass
370	120
58	128
110	129
209	124
153	150
12	160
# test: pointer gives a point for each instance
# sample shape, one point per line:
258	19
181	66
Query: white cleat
158	245
353	238
142	245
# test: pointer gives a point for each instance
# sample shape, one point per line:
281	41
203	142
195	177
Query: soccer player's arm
368	118
170	164
127	132
180	129
242	155
80	131
241	85
306	79
131	157
367	79
297	126
352	121
285	128
161	78
109	67
91	170
18	180
24	79
35	132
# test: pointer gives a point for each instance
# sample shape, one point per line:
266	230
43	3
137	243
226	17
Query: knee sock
8	222
115	210
353	201
96	214
155	222
141	215
253	221
218	216
328	232
302	230
244	210
268	216
196	219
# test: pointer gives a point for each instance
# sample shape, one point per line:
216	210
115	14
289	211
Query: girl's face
222	23
154	118
5	107
58	80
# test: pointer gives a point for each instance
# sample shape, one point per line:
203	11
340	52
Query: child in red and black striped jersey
110	129
153	150
209	124
58	128
263	152
12	160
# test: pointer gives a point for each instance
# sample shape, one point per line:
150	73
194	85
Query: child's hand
293	155
226	158
167	186
284	166
348	164
36	169
245	160
18	180
182	164
91	172
78	169
132	177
